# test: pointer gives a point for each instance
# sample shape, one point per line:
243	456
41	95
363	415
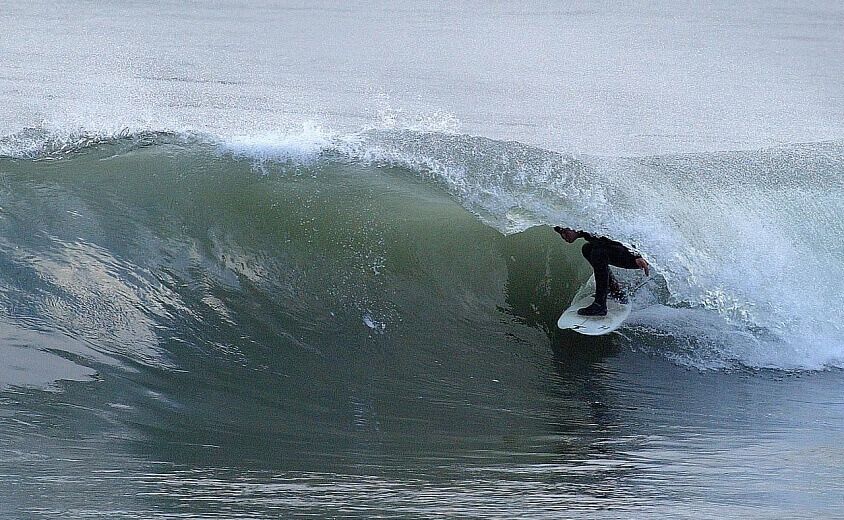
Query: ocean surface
295	259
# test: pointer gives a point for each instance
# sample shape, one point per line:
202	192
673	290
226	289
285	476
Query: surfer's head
568	234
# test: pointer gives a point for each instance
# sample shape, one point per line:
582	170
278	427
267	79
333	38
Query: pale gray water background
270	260
596	77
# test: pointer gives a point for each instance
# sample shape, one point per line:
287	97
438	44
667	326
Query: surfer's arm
637	257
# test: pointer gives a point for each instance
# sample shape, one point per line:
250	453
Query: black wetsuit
601	252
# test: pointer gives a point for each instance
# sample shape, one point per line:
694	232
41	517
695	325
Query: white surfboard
593	325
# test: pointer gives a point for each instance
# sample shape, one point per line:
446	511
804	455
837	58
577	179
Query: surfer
602	252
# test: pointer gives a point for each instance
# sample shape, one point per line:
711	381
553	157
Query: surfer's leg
597	257
619	257
614	287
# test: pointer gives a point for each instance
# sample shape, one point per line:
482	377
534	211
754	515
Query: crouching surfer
601	252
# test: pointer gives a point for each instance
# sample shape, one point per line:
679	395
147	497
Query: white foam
301	148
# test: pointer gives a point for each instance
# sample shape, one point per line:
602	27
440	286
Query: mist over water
620	79
263	259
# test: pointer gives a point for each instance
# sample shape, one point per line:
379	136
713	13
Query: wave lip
36	143
301	149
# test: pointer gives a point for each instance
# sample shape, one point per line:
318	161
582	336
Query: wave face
746	244
127	242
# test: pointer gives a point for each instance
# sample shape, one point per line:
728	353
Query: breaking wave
138	237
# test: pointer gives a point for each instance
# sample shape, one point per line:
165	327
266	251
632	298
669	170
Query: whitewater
262	259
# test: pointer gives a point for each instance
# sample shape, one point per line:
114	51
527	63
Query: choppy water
263	260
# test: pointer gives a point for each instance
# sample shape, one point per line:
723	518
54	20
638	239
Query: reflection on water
610	437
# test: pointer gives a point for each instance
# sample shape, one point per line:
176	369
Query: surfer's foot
596	309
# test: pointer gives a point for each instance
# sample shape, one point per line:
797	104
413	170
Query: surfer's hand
643	265
567	234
